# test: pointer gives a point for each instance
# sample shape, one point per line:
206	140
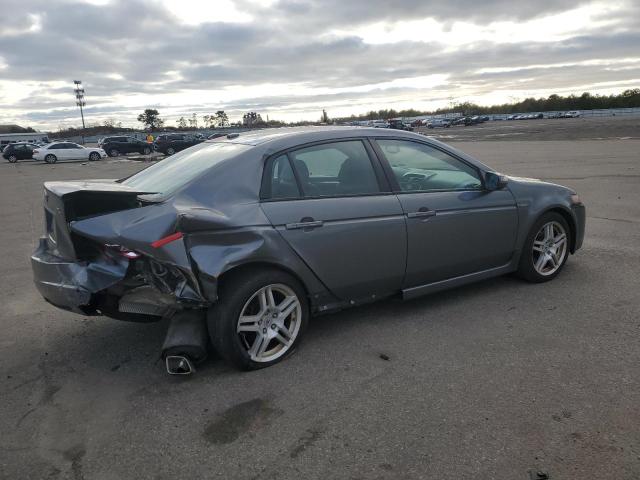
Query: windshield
174	172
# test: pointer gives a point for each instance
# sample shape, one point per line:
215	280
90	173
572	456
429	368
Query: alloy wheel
269	322
549	248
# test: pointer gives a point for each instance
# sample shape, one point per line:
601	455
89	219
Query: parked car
18	151
123	144
53	152
379	124
174	142
439	123
399	125
245	238
572	114
216	135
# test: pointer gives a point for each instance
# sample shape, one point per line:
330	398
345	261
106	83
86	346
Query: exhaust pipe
186	342
179	365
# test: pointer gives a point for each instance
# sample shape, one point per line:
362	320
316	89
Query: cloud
291	58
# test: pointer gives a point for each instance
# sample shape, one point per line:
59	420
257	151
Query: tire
240	294
94	157
171	151
545	251
146	151
114	152
51	158
12	159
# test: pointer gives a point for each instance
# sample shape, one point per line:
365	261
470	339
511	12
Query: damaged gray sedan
241	239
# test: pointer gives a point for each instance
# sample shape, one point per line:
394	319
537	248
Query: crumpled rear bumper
70	285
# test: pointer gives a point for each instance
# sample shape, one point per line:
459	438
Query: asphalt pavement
497	380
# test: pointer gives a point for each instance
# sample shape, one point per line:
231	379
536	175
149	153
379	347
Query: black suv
115	146
18	151
399	125
174	142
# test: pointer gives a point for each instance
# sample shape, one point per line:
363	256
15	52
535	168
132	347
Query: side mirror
494	181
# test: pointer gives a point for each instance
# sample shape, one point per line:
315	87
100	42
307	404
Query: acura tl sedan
55	151
242	238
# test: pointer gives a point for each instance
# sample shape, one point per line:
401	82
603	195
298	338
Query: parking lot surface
496	380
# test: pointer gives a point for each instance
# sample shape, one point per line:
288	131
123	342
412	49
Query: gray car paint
358	255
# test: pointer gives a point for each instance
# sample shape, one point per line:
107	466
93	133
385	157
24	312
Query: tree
150	118
193	121
251	119
221	119
208	120
182	123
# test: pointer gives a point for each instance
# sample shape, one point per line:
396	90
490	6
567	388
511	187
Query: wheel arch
571	221
252	266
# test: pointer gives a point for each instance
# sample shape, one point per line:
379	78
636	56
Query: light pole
80	102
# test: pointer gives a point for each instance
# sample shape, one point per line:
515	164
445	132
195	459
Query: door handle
310	224
422	213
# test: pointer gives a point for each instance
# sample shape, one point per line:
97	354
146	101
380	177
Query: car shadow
133	350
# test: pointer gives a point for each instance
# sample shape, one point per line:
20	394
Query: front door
455	227
336	212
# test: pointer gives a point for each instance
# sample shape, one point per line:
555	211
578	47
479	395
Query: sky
289	59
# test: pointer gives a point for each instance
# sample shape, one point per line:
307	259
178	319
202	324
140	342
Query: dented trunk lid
66	202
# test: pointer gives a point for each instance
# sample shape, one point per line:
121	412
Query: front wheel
114	152
546	249
51	158
12	159
171	151
259	318
146	151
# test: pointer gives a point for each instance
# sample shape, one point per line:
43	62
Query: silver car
243	238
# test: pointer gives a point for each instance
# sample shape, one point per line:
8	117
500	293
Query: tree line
627	99
151	119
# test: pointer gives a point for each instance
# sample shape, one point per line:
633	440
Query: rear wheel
171	151
259	318
146	151
546	249
114	152
94	156
51	158
12	159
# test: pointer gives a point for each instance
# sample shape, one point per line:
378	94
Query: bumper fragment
69	285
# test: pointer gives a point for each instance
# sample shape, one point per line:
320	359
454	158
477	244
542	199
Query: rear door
21	152
61	151
77	152
331	203
455	227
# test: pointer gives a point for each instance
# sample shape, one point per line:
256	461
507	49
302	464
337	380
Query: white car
53	152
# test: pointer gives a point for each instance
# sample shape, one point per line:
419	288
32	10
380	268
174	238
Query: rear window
172	173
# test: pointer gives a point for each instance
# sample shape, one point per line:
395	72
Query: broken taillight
123	251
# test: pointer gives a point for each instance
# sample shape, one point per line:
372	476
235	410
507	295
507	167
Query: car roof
291	136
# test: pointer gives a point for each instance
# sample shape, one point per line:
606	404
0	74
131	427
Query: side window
57	146
282	180
419	167
333	169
